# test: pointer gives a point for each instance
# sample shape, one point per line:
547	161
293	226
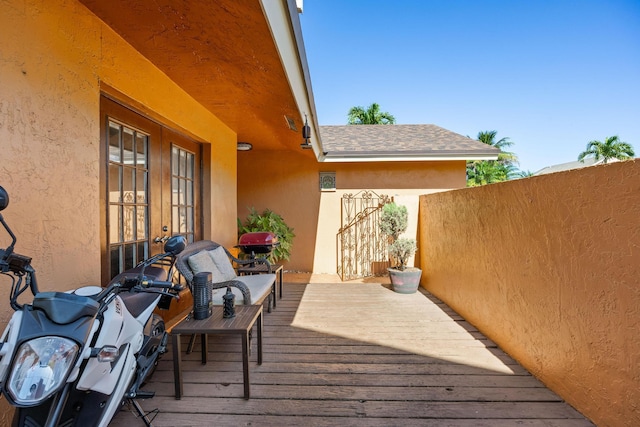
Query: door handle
161	239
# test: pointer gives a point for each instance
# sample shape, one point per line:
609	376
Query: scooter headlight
40	368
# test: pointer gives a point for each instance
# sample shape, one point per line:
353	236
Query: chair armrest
239	261
231	257
246	293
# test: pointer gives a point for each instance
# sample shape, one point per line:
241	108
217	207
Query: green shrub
269	221
393	222
401	250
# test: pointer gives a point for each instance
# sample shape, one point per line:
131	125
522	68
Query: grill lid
258	238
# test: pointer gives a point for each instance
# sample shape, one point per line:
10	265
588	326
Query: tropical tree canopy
371	116
611	148
484	172
489	138
481	172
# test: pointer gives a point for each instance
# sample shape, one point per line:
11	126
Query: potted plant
393	222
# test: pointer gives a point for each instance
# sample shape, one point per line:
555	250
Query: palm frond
611	148
369	116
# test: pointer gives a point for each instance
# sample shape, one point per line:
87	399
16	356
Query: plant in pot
393	222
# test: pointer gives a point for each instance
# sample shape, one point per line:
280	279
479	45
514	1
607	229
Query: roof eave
283	15
337	157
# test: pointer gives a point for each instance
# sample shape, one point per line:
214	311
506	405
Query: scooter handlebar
162	285
11	261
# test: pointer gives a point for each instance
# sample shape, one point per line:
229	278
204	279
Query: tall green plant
393	222
269	221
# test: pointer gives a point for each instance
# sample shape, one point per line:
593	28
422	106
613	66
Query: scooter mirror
4	198
175	244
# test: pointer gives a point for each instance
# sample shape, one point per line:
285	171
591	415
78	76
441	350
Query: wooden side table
241	324
261	269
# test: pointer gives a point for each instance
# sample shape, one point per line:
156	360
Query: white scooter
74	358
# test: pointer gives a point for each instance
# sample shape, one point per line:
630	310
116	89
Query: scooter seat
152	273
137	302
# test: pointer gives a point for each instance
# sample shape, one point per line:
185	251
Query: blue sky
549	75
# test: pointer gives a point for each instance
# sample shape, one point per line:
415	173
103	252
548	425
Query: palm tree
611	148
489	138
371	116
481	172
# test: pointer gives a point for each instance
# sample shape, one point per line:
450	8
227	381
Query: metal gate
362	247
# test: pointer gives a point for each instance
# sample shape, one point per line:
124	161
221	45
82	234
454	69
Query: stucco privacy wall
548	268
288	183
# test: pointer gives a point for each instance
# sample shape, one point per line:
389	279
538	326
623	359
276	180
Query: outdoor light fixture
306	134
244	146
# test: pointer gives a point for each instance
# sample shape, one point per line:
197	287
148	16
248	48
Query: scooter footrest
141	394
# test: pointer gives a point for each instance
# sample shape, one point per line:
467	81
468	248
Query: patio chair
211	257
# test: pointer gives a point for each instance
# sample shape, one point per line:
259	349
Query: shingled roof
400	142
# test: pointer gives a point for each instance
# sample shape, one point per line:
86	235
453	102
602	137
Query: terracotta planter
406	281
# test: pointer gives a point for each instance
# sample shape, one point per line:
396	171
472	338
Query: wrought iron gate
362	247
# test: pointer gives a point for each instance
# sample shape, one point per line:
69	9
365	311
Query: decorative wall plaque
327	181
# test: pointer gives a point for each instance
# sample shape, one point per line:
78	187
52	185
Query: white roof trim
284	23
329	158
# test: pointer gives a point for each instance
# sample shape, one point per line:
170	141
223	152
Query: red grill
259	242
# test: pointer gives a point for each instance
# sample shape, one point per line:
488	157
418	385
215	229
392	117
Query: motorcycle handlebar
136	285
162	285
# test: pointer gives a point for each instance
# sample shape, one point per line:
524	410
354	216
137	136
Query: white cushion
259	284
203	263
220	258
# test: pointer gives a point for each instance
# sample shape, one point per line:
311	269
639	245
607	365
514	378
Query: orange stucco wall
55	59
288	184
548	268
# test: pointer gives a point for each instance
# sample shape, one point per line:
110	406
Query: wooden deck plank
469	392
223	420
367	358
350	379
374	359
392	410
347	368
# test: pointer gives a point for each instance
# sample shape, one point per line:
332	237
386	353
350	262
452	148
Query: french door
151	187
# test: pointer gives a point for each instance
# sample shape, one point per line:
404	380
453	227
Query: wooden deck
356	355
